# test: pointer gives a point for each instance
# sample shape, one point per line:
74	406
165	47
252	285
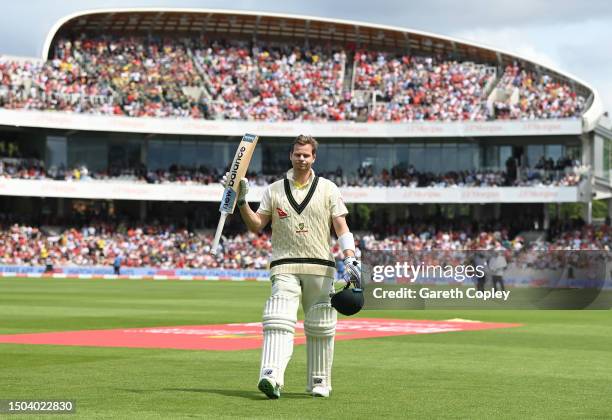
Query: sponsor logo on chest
282	214
301	228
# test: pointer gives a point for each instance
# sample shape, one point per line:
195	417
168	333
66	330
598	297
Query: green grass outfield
558	365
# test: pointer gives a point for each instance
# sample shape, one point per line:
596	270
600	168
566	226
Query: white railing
111	190
199	127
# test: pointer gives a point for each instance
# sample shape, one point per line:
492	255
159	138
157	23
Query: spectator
497	266
117	264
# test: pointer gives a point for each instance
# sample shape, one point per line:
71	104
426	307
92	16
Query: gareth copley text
427	293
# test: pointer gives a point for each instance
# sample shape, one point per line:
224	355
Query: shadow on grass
251	395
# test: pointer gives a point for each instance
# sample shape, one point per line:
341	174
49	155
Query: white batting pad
280	313
279	318
320	328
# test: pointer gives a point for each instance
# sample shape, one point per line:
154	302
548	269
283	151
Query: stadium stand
563	174
124	101
272	83
532	96
212	79
120	76
165	246
422	88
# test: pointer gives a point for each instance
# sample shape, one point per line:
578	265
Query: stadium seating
98	243
422	88
272	83
564	175
201	78
126	76
538	96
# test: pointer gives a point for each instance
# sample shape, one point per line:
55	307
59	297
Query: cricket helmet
348	301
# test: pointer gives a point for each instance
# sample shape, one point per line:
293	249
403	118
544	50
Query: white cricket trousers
280	317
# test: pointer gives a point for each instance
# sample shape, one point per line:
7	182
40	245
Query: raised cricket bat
237	171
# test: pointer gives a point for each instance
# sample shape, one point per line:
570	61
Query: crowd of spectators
366	176
35	169
539	96
98	244
575	235
273	82
107	76
549	164
413	88
408	176
411	235
165	246
204	78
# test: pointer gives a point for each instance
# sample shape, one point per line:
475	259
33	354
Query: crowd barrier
513	277
135	272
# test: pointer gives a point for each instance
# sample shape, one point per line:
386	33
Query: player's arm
342	231
254	221
347	244
338	215
345	237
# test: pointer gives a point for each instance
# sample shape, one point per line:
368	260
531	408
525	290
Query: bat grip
215	243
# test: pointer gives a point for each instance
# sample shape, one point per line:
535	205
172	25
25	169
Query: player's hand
352	267
244	186
244	189
224	179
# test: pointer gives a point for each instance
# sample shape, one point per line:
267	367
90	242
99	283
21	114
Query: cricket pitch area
175	349
240	336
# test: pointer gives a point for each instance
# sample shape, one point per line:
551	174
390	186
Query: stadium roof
250	25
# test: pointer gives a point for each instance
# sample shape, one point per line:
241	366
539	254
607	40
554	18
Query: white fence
212	193
86	122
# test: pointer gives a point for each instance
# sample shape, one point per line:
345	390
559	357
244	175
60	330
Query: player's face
302	157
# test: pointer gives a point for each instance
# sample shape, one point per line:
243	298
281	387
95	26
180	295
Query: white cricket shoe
321	391
320	387
269	387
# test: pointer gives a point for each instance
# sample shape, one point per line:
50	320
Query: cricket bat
237	171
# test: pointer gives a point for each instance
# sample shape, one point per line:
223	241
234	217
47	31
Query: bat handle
215	243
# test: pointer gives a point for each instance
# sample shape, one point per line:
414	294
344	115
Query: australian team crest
301	228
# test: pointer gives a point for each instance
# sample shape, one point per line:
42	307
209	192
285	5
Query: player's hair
302	140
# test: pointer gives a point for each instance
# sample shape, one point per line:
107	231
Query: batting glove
352	267
244	186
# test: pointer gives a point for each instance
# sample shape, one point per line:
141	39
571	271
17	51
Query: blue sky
573	36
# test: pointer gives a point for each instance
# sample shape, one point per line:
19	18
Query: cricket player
302	208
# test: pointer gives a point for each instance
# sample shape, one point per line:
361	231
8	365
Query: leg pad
320	328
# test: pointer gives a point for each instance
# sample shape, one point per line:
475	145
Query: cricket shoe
321	391
269	387
320	388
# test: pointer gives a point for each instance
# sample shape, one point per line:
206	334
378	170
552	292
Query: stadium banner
138	272
474	279
199	127
122	190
